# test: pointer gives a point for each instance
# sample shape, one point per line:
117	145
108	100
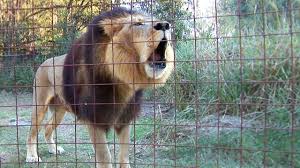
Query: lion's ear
111	27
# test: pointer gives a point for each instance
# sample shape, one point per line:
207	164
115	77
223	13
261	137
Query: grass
182	145
248	79
213	146
266	140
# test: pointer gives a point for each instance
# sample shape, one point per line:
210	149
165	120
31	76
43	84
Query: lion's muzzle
162	26
157	60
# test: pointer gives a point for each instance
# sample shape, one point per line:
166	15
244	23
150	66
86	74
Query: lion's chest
109	104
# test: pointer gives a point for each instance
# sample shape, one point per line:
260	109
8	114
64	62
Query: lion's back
50	72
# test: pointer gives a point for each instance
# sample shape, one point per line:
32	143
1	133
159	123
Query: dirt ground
19	105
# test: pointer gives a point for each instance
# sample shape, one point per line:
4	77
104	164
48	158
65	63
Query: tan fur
47	86
144	42
125	58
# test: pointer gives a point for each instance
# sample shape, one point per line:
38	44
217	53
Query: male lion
101	80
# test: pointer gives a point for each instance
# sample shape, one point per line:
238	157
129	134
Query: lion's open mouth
157	59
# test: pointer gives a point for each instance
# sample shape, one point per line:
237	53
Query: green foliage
237	72
173	12
275	14
198	82
19	77
63	26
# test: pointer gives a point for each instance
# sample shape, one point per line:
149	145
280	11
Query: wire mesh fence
220	83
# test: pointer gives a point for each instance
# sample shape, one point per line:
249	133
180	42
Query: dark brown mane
95	96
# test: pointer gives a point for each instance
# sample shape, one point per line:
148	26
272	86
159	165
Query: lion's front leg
124	139
102	153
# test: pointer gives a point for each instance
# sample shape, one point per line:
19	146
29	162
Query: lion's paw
59	150
125	165
33	159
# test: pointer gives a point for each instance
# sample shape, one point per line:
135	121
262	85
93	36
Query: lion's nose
162	26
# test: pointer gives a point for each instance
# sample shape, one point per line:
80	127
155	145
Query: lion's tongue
155	57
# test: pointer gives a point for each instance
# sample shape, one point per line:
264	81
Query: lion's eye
138	24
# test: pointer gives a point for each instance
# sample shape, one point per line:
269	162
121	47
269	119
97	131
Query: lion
101	80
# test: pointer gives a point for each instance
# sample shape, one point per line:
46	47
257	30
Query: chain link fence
232	99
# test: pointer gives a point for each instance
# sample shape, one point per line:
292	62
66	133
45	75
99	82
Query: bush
221	85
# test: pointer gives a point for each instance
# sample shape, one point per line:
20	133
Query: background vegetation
233	99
